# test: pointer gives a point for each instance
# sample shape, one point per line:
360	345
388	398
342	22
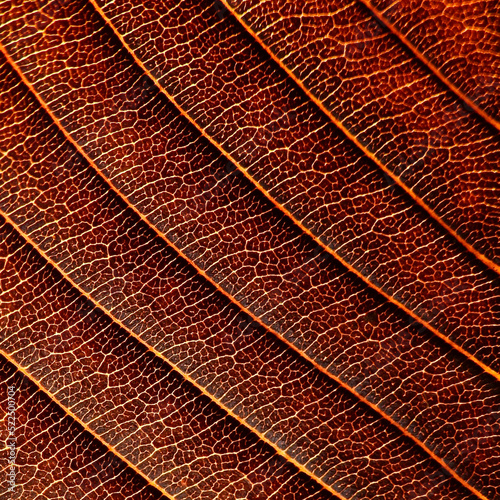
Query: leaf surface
128	396
394	106
459	39
257	382
152	218
58	459
431	276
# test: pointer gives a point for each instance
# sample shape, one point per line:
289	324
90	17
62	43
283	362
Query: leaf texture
388	100
228	265
126	395
398	229
59	459
459	39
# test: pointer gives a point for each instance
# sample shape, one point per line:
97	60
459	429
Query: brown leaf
394	107
214	279
458	40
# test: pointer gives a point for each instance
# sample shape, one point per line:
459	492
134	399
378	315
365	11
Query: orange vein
282	208
108	313
160	355
243	422
361	146
110	447
301	353
434	69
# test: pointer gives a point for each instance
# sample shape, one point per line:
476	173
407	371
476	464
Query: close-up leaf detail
250	249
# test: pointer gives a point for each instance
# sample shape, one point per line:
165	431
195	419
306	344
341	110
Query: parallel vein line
433	68
304	355
110	447
418	200
283	209
160	355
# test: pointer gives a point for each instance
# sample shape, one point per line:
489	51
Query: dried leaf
218	282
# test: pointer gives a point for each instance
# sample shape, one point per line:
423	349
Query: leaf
57	456
396	110
215	280
459	41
